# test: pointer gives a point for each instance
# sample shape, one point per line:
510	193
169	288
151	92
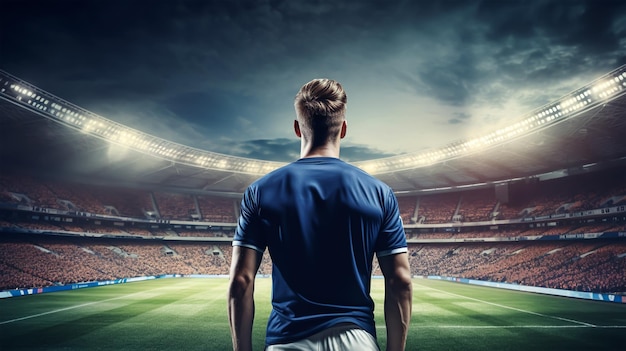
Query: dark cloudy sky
221	75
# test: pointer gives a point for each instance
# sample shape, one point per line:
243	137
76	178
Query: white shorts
341	337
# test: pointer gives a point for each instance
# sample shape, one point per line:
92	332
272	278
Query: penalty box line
514	308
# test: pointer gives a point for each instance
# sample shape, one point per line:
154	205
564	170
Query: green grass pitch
190	314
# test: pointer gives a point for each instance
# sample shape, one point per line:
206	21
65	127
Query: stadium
524	219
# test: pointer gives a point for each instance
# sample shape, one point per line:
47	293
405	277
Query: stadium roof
43	133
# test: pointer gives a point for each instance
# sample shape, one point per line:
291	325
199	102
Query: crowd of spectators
524	199
438	208
215	209
175	206
585	265
126	230
47	194
56	261
477	205
588	265
510	231
407	206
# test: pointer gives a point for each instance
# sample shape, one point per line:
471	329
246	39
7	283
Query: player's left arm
392	252
244	266
398	298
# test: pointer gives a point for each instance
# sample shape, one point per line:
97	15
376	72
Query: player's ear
344	127
296	128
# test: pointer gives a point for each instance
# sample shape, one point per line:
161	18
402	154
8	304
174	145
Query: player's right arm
398	298
243	270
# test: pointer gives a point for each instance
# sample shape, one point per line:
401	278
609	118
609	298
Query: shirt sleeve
248	232
392	239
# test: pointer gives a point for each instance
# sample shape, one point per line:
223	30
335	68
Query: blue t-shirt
322	221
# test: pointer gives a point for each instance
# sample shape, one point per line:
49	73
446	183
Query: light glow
610	86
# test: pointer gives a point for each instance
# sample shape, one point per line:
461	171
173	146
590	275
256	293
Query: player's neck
325	150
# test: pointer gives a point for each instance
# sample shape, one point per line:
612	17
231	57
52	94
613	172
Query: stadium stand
215	209
596	266
58	232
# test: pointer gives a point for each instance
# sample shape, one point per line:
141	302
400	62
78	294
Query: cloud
279	150
354	153
222	75
287	150
458	117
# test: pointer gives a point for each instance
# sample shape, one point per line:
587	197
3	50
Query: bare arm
243	270
398	299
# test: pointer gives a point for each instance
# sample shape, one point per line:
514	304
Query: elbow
401	283
240	286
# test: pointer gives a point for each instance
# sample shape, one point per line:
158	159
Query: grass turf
190	314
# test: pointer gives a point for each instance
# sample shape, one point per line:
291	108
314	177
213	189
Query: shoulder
270	180
276	173
361	174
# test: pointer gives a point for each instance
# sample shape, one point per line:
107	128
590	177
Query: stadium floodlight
30	97
610	86
571	105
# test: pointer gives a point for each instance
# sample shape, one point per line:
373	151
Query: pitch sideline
513	308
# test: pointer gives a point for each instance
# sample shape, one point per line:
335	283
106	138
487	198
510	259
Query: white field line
144	293
514	308
82	305
68	308
513	326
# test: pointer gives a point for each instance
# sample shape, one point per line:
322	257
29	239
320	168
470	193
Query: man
322	221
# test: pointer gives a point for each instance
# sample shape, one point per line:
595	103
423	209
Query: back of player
322	220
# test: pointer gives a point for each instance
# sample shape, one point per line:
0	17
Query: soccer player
322	221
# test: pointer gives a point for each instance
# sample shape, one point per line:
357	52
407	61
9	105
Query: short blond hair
321	108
